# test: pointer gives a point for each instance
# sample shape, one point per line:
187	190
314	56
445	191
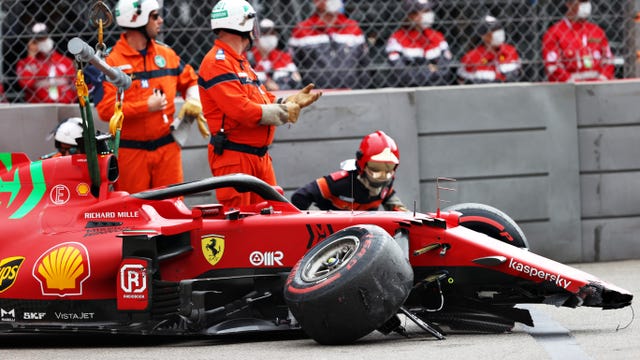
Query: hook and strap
88	128
101	17
115	123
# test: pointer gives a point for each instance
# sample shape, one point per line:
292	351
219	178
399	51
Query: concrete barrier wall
561	159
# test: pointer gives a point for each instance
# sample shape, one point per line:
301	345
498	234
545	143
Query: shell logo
62	269
83	189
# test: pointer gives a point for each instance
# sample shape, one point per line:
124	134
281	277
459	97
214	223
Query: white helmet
69	130
134	13
236	15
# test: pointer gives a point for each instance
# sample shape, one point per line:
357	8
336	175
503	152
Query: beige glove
202	126
293	112
304	98
279	114
192	110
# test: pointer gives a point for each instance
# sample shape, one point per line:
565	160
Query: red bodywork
69	256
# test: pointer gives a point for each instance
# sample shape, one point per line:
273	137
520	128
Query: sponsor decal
75	316
59	194
62	269
9	268
83	189
220	54
219	14
213	248
267	258
317	233
8	315
21	198
132	288
534	272
160	61
33	315
106	229
99	215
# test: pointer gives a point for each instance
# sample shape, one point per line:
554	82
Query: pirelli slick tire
348	285
491	222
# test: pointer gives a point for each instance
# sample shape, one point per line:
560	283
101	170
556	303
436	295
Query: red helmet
378	147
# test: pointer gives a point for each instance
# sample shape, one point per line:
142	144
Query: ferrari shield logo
213	248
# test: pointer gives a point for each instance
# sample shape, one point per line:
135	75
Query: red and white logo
133	289
59	194
267	258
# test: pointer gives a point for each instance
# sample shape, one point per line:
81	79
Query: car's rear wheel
491	222
349	285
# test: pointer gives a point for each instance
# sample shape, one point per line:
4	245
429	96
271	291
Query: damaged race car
78	257
85	258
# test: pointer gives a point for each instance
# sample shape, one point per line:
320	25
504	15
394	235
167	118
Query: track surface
560	333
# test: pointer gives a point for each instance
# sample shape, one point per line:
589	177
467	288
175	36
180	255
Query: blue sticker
220	54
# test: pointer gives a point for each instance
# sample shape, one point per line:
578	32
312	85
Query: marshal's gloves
192	110
279	114
304	98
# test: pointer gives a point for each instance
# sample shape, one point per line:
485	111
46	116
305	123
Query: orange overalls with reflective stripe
148	157
231	93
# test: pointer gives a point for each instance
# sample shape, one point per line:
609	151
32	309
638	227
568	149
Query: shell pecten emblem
213	248
62	269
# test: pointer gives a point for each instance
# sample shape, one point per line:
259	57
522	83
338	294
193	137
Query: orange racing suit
148	155
231	96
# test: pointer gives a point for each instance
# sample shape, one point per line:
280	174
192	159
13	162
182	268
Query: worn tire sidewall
518	239
356	299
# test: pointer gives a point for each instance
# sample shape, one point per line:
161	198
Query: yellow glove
202	126
190	110
304	98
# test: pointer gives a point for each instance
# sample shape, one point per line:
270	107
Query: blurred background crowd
187	30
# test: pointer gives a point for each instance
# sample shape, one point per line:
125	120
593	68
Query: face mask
497	37
584	10
427	19
268	43
45	46
333	6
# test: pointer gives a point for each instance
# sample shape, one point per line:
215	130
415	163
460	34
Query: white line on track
553	337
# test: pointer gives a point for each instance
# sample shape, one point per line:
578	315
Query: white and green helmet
134	13
236	15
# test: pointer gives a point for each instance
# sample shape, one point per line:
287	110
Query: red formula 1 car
79	257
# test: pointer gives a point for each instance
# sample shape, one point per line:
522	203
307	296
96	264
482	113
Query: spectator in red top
46	75
274	67
329	48
575	49
493	61
419	55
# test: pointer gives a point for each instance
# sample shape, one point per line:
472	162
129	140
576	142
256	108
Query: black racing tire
491	222
349	284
